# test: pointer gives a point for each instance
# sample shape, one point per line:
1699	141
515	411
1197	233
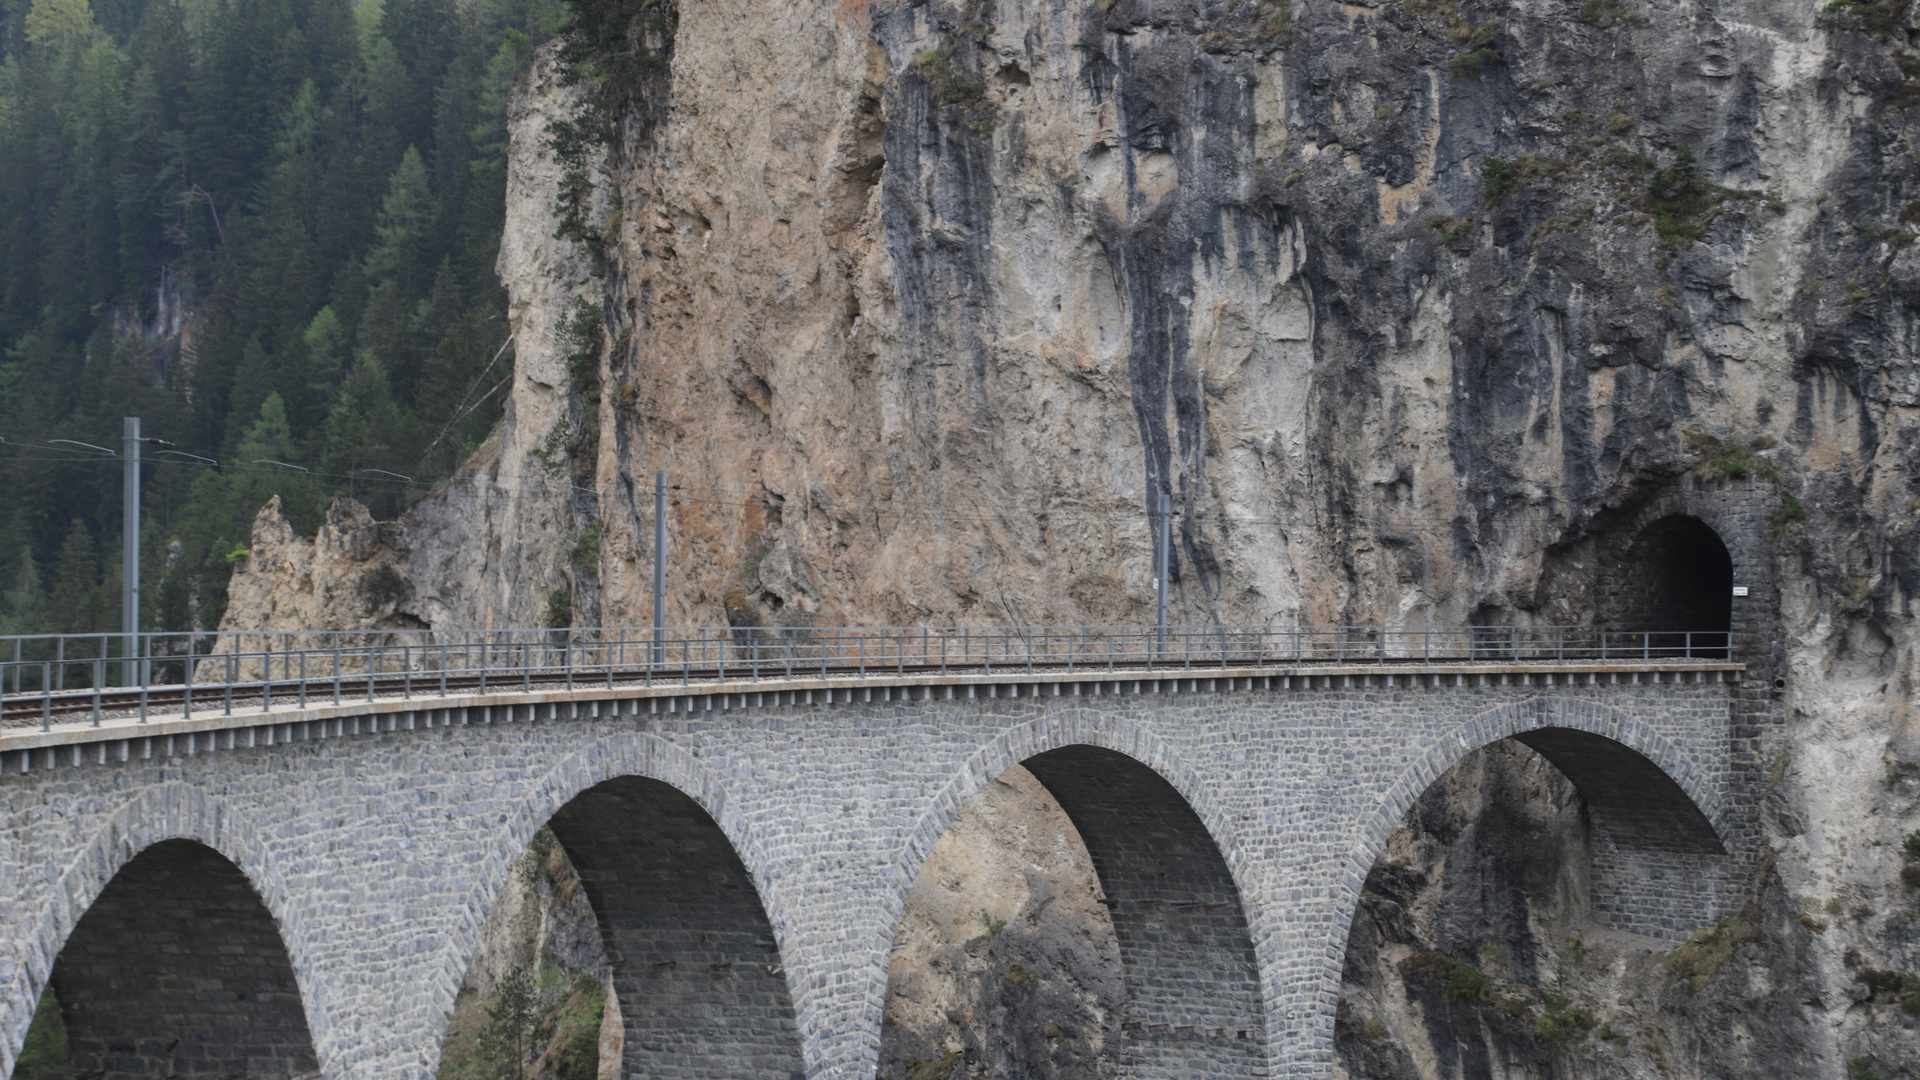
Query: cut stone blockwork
1652	561
379	841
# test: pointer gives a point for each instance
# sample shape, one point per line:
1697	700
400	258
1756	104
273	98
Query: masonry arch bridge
785	820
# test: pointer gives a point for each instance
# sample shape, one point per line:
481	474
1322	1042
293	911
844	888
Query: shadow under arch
600	762
170	811
1186	951
179	969
1167	871
696	967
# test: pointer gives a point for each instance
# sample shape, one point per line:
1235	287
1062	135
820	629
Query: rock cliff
1422	312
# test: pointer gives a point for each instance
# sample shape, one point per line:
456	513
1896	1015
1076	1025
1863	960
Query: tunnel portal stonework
379	839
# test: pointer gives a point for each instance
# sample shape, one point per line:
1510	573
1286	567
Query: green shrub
1680	201
1698	961
1562	1028
935	1070
1877	17
572	1032
1456	979
382	585
579	339
1500	178
1482	50
586	547
1789	512
950	85
1721	460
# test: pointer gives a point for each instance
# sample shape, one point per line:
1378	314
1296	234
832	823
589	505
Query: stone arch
166	812
178	969
1070	726
1644	791
1168	867
684	903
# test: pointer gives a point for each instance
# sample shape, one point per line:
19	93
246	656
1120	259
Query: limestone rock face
1412	308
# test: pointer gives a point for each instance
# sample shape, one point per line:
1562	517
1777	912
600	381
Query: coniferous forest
268	228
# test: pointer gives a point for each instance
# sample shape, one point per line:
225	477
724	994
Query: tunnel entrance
178	970
1677	578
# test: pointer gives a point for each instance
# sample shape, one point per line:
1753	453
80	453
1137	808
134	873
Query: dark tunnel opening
1679	579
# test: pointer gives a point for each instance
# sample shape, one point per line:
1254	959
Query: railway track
34	709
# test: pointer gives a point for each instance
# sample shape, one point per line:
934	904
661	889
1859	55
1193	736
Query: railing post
303	678
99	672
46	696
336	669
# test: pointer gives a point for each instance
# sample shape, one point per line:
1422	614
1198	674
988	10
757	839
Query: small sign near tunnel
1739	590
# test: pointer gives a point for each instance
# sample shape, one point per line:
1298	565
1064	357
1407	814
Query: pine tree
76	578
59	24
405	216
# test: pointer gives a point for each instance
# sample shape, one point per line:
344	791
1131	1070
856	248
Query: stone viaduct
300	892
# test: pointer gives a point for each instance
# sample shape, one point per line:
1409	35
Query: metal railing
85	677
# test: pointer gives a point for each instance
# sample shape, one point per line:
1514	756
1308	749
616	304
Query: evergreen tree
405	216
72	605
59	23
